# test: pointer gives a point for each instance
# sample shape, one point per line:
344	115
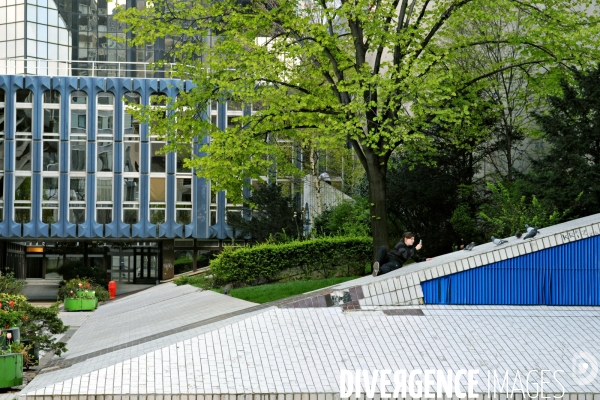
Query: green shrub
41	326
322	257
508	211
187	263
11	285
349	218
200	281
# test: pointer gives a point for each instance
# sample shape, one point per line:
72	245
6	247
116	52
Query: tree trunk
315	180
376	172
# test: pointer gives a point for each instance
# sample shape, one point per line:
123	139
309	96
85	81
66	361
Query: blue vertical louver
568	274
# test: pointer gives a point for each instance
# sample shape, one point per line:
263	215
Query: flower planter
11	370
80	304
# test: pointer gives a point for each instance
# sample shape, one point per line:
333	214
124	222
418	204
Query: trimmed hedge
304	259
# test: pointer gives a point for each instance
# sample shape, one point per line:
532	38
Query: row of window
78	128
78	134
104	199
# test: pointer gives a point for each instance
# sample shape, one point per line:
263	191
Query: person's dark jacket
402	252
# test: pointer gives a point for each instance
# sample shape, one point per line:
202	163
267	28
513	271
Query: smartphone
421	241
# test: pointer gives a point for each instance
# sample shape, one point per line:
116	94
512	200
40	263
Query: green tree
570	169
513	95
350	218
269	214
507	212
374	72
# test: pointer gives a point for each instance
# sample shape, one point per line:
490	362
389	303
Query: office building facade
83	181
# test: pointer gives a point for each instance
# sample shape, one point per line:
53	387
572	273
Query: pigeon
470	246
498	242
530	234
518	235
529	228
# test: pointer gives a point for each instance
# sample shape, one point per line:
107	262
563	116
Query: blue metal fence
568	274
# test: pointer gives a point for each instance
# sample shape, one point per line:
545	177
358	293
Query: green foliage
74	269
270	213
185	264
37	324
11	285
372	75
267	262
350	218
15	348
275	291
12	310
570	168
40	325
508	211
465	224
77	287
201	281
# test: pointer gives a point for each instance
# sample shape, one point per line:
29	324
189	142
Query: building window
131	161
23	130
49	200
77	200
157	199
51	134
158	171
78	132
131	200
183	205
105	132
130	124
50	156
104	200
22	199
183	194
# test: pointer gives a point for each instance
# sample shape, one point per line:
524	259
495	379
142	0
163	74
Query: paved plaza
214	346
173	342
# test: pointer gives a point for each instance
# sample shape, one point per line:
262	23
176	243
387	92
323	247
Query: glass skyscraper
71	37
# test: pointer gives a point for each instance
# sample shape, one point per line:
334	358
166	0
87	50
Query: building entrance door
146	265
135	265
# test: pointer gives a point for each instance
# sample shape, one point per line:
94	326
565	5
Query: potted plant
81	295
11	357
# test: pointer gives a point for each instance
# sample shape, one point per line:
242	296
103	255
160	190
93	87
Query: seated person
403	250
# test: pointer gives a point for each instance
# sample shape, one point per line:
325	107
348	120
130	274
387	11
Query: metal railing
32	66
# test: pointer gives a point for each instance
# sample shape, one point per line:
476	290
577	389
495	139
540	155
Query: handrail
119	69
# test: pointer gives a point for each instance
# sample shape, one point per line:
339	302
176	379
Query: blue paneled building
82	181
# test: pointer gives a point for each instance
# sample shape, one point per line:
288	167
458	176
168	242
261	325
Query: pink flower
9	335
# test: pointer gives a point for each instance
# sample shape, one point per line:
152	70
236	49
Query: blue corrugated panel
568	274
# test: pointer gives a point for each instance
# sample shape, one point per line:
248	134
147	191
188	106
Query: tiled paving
301	351
155	312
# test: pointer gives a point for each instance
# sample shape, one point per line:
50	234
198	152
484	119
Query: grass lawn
265	293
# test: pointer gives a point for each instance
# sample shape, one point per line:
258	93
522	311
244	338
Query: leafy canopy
375	73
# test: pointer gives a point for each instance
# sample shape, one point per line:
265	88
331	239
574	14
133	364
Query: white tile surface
300	352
